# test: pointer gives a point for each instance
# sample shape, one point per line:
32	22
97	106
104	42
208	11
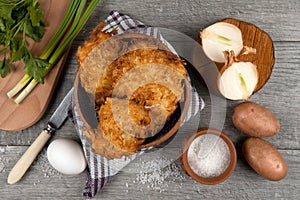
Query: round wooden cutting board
15	117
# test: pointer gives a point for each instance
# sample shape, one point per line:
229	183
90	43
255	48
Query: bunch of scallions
77	14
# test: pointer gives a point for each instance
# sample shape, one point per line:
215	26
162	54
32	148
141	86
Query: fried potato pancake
102	146
113	133
96	37
155	94
94	59
124	123
162	65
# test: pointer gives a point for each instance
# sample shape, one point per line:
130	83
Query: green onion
77	25
78	16
20	85
26	91
61	30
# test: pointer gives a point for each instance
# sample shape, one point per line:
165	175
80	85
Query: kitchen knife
55	122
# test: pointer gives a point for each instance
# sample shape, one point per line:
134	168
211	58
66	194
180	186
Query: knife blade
61	113
54	123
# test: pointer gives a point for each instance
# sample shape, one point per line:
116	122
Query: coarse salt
158	173
208	155
44	164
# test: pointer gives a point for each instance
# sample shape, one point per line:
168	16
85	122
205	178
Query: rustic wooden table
281	95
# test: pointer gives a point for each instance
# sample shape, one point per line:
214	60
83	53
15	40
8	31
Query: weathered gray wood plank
281	95
278	18
41	182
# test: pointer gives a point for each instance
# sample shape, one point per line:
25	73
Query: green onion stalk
78	16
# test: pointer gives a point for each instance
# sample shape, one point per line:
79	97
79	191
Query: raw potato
255	120
264	159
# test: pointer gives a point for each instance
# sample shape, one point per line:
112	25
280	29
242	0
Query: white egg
66	156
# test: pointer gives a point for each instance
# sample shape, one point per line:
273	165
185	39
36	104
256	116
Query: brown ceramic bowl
214	180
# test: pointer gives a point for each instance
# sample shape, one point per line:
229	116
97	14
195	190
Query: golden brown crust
94	64
156	94
96	37
102	146
111	141
128	141
139	58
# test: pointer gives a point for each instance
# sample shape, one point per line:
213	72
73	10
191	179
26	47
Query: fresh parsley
18	19
4	68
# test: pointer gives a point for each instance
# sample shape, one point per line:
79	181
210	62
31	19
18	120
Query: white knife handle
28	157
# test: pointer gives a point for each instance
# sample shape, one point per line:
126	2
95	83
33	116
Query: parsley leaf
34	32
36	15
28	29
37	68
6	11
2	38
4	68
2	25
18	49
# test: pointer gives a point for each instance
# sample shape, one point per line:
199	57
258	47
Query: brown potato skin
255	120
264	159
